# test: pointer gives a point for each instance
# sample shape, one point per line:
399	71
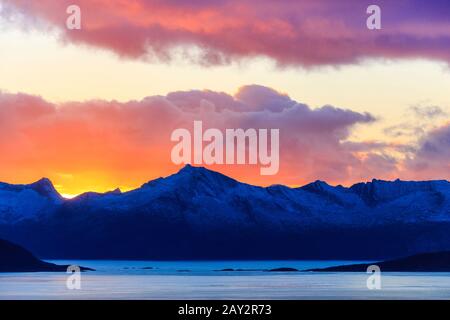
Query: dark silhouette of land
14	258
425	262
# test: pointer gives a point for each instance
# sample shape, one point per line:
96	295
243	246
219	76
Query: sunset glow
93	109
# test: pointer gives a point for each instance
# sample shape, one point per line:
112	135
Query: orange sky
99	145
93	109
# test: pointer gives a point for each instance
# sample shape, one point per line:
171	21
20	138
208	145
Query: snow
205	198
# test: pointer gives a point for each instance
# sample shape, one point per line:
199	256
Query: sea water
204	280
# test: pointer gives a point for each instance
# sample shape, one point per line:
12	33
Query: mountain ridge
201	214
46	183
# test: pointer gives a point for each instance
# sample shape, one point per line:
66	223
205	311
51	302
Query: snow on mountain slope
379	191
202	197
198	213
19	202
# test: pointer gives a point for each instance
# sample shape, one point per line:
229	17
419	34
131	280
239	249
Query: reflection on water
198	280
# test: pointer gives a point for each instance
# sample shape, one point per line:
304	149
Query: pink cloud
126	144
307	33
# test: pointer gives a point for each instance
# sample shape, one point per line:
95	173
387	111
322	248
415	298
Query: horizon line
73	196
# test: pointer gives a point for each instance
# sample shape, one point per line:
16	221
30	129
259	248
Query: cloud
432	158
307	33
429	112
404	129
100	144
417	121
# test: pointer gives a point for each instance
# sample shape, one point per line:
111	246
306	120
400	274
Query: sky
93	109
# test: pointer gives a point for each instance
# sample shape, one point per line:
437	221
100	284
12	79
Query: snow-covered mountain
198	213
19	202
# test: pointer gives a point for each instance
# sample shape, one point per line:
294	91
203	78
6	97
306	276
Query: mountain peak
115	191
188	168
316	186
42	181
45	187
320	183
193	177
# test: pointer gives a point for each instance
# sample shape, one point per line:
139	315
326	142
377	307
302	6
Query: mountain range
201	214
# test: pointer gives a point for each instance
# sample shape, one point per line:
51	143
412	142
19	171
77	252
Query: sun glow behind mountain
103	114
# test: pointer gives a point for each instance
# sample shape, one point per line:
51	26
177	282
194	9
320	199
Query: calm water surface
199	280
